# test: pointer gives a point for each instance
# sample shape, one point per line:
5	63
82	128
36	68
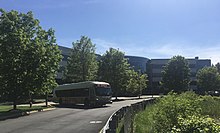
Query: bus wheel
86	103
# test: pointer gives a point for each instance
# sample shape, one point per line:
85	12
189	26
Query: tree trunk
116	95
139	95
31	100
116	98
84	74
14	105
46	99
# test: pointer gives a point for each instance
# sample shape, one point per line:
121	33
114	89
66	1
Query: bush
172	113
196	124
168	109
210	106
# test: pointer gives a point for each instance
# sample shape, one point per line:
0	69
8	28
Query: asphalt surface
73	119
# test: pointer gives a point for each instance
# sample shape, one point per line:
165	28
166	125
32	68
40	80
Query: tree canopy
113	68
176	74
208	79
218	67
82	64
29	56
136	82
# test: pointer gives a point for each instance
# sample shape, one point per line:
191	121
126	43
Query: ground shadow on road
79	106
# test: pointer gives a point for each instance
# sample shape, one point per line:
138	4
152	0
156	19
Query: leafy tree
142	83
208	79
132	83
82	64
113	68
29	56
218	67
176	74
136	82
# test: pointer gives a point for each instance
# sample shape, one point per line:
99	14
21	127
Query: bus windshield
101	91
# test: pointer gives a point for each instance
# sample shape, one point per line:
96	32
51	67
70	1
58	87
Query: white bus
89	93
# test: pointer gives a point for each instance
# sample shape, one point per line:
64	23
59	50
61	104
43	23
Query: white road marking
95	122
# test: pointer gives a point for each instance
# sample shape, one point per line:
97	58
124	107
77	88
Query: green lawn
5	109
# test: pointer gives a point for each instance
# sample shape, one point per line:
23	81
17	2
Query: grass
7	109
120	127
143	124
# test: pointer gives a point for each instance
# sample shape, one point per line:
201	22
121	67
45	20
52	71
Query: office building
138	63
155	67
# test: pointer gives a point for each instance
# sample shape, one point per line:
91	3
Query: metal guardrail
123	118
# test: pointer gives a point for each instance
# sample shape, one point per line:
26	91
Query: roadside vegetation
180	113
176	75
7	110
29	57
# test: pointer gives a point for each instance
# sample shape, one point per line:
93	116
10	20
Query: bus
89	93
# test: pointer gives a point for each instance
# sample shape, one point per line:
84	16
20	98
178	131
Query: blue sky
148	28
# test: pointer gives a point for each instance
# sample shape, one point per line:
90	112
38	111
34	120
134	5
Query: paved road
63	120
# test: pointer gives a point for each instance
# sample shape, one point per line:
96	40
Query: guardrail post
113	124
127	114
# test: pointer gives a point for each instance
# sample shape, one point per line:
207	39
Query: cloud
103	45
163	50
210	53
189	51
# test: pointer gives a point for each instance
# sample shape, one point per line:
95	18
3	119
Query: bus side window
91	91
83	92
86	92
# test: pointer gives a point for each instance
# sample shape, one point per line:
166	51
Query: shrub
196	124
210	106
169	108
184	112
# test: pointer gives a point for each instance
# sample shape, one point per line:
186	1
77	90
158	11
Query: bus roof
79	85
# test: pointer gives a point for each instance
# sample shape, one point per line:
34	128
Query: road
64	120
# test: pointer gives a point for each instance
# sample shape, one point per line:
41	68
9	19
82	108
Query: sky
147	28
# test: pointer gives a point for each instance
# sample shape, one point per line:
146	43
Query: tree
113	68
176	74
218	67
142	83
132	82
29	57
136	82
82	64
208	79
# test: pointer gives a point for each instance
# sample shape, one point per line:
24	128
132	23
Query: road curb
41	110
20	114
